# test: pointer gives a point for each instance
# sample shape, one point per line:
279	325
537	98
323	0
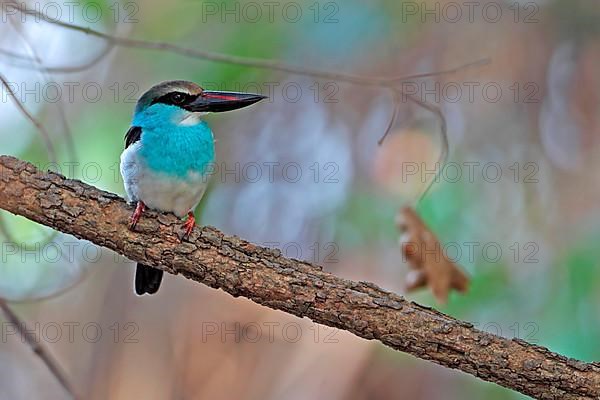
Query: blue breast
172	148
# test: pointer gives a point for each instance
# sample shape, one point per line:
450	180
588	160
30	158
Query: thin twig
40	127
443	133
445	146
476	63
238	60
396	105
37	348
66	69
48	78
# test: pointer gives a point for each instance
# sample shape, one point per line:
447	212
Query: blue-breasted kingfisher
168	153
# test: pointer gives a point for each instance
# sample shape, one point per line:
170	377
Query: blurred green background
523	132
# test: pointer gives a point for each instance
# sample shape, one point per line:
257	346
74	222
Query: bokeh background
517	206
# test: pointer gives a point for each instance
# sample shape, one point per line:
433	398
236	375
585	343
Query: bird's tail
147	279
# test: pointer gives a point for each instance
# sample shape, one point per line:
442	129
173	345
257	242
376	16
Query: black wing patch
133	135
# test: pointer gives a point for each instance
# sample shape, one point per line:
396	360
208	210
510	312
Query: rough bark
296	287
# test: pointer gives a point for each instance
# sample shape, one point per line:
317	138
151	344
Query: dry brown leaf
425	256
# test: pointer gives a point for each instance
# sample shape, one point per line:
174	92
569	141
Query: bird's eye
177	98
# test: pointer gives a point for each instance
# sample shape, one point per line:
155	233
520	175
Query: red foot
189	224
135	217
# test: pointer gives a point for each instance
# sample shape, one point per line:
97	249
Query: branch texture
296	287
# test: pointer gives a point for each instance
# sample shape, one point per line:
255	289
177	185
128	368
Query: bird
168	153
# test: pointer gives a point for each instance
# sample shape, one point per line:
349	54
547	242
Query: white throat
191	118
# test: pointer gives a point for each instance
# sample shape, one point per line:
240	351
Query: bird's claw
135	217
189	225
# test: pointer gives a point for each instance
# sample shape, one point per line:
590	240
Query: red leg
189	224
135	217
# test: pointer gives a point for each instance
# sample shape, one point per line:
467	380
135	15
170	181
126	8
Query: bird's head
183	102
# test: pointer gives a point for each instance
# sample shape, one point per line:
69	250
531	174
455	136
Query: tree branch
296	287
